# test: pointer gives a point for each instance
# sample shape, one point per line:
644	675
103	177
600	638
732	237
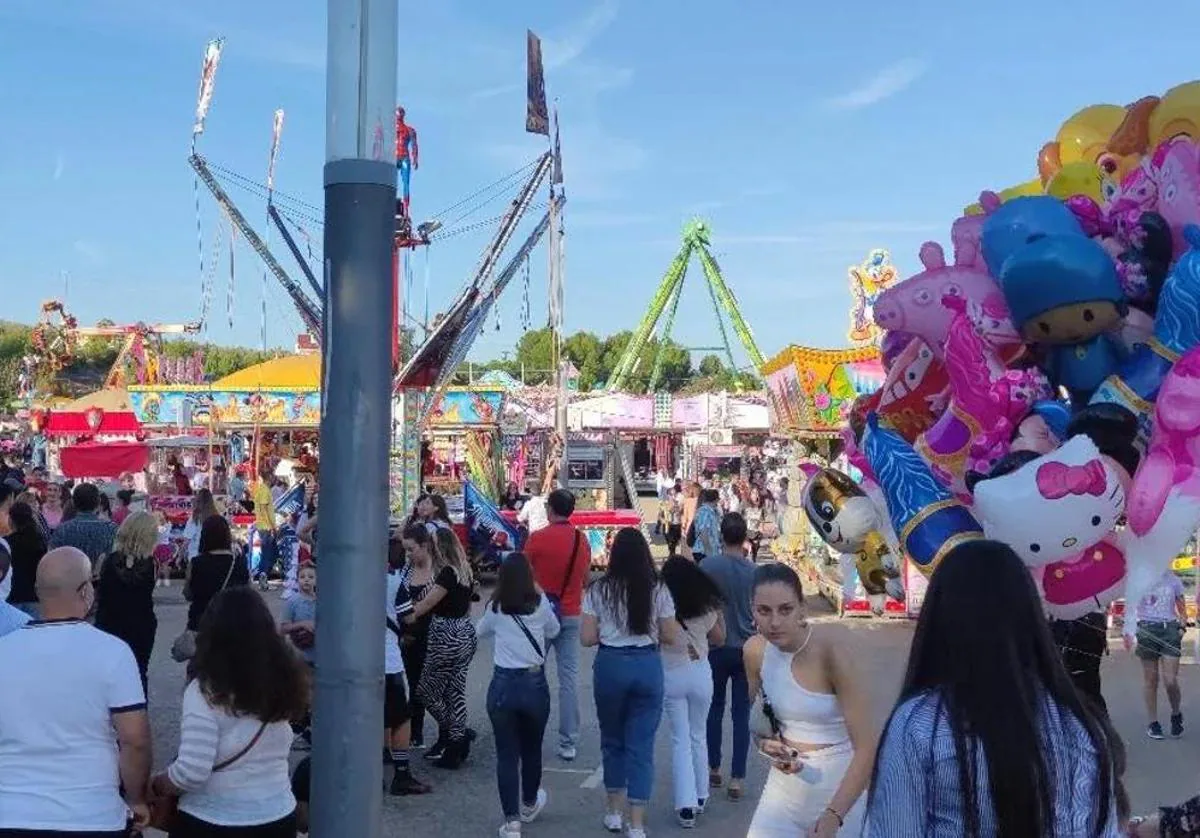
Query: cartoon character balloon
848	521
1164	502
929	521
1064	293
1011	227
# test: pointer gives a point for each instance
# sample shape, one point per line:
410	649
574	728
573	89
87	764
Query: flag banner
208	75
276	133
537	117
290	502
486	527
557	177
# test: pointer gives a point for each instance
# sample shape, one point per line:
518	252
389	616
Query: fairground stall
97	436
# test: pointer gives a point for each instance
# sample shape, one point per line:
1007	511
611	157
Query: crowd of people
711	638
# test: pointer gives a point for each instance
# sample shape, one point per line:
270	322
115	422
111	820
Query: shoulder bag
165	810
556	601
184	647
537	647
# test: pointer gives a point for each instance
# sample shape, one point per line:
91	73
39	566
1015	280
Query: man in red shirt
561	560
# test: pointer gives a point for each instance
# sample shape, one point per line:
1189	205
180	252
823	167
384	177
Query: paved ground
464	803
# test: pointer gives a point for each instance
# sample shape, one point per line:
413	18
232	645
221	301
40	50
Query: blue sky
805	135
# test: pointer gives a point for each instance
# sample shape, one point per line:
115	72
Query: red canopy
75	423
101	459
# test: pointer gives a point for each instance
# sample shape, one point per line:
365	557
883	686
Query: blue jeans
518	703
726	663
566	658
628	686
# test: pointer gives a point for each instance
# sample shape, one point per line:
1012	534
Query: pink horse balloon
988	401
1176	168
1163	509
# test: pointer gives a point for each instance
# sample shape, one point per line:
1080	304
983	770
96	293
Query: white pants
791	803
688	692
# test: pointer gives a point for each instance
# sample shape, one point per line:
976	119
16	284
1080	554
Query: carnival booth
1043	378
95	436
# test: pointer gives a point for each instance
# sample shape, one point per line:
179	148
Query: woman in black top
216	568
125	588
27	546
451	641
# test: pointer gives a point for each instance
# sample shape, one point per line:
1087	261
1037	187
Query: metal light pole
360	207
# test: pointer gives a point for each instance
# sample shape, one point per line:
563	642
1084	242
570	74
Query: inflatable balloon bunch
1043	388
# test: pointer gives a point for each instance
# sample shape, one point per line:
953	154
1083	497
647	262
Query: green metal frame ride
696	241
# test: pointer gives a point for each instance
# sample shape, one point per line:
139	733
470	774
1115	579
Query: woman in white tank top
824	741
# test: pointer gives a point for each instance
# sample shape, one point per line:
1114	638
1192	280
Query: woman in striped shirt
989	738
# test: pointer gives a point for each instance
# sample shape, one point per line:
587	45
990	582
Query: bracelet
829	810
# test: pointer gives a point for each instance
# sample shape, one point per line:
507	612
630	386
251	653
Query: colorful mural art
812	390
467	407
200	406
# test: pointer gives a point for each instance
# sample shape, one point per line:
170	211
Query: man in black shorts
397	714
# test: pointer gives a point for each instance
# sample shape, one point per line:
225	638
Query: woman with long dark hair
203	508
990	739
451	642
688	681
217	567
522	621
246	687
628	612
26	546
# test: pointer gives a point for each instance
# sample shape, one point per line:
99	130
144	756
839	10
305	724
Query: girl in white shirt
231	774
689	682
522	622
628	612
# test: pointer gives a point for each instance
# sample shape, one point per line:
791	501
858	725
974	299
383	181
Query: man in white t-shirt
533	514
73	730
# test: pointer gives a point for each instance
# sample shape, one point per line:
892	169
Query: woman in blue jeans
522	621
628	612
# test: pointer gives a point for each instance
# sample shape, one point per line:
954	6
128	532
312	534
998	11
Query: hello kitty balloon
1055	506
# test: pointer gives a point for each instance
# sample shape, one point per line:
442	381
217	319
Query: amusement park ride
55	341
696	241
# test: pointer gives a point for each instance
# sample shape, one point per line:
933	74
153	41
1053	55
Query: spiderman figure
406	138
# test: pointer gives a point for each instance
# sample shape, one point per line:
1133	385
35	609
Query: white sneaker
529	813
567	753
634	832
614	821
512	829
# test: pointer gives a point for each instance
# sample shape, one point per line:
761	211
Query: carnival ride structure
56	338
696	242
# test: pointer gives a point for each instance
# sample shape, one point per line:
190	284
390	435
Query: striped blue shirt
917	791
11	618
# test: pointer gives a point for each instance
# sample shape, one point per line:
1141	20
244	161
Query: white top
533	514
191	531
806	717
58	750
614	629
393	661
692	643
254	790
512	649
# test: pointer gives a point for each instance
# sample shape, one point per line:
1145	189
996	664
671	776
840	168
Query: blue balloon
1014	222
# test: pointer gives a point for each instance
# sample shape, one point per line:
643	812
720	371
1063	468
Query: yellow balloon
1085	135
1178	113
1032	187
1078	178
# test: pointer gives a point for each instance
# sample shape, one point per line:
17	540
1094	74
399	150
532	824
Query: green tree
711	365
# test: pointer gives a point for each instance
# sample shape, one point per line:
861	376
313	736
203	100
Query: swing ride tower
696	242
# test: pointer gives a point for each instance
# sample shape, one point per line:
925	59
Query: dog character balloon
848	521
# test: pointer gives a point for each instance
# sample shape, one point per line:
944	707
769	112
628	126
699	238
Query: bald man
68	687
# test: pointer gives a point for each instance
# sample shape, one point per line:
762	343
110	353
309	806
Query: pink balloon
915	305
1176	168
965	233
987	401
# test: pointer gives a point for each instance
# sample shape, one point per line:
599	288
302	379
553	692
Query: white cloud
885	84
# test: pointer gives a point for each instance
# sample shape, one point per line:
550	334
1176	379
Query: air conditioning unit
720	436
